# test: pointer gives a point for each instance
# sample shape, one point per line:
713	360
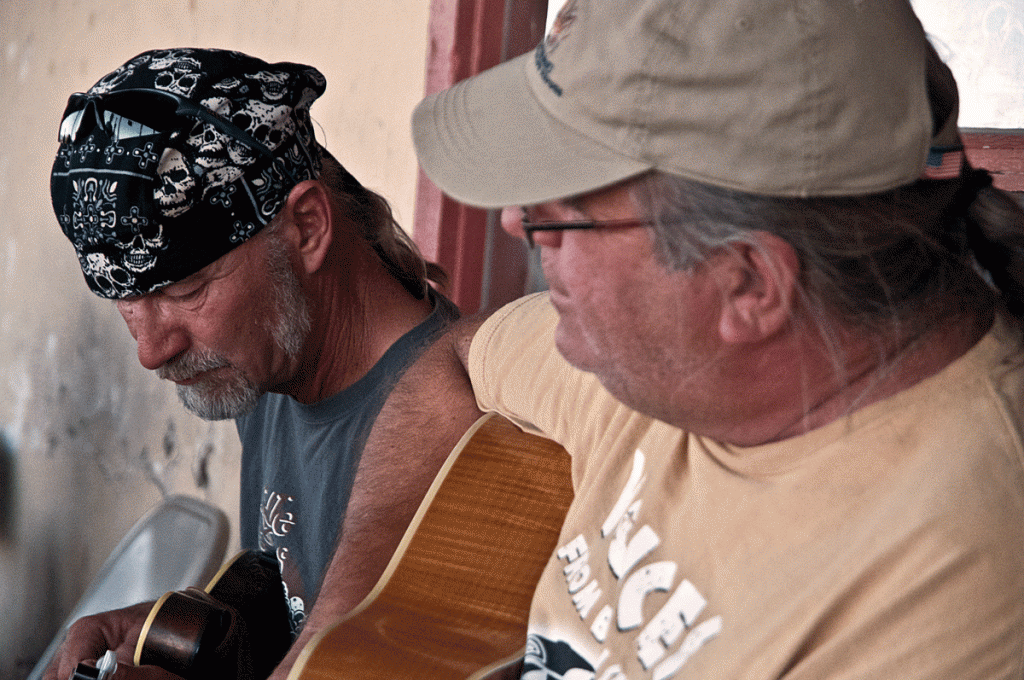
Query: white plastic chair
179	543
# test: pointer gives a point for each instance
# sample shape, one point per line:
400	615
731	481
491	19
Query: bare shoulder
435	395
425	416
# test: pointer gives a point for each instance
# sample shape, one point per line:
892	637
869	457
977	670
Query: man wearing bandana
264	280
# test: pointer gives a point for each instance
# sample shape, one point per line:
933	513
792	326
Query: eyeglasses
530	227
140	112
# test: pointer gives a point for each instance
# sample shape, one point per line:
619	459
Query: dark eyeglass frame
161	111
530	227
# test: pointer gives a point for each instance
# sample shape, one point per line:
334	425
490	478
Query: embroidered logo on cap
559	29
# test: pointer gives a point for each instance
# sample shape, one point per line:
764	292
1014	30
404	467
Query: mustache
191	364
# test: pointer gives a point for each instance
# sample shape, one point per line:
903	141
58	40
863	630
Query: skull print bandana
175	158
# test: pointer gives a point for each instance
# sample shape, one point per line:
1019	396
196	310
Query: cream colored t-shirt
889	544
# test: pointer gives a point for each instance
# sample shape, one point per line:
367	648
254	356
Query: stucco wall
88	439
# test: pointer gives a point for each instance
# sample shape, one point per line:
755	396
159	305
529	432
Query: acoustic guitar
236	627
452	603
454	600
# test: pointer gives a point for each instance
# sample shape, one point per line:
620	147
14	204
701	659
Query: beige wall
89	440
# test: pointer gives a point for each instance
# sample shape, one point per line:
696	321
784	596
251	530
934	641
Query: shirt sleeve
517	371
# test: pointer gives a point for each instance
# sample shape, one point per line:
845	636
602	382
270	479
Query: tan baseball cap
775	97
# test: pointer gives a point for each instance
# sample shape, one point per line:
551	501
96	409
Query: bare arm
422	421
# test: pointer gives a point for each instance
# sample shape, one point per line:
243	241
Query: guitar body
198	634
455	598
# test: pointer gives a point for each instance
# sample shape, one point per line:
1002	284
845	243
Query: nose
158	336
512	221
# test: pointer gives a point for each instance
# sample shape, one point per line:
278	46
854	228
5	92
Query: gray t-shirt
299	460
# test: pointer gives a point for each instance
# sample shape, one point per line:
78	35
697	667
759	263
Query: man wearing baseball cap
781	341
273	288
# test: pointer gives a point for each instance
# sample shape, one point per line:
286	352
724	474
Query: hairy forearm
425	416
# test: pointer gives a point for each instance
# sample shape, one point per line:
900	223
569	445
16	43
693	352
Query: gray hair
893	263
292	319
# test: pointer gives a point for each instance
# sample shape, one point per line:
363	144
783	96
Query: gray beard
230	394
230	399
233	394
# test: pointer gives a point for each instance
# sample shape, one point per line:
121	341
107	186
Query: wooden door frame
485	266
1001	152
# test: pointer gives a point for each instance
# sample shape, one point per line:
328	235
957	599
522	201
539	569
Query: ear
309	209
758	289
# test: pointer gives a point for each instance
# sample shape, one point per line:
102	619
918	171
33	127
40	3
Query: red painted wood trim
467	37
1001	152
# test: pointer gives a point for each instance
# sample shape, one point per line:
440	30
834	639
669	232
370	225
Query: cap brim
488	142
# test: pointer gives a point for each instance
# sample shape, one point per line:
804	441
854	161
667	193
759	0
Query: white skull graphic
140	253
179	72
111	279
269	123
177	183
272	84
